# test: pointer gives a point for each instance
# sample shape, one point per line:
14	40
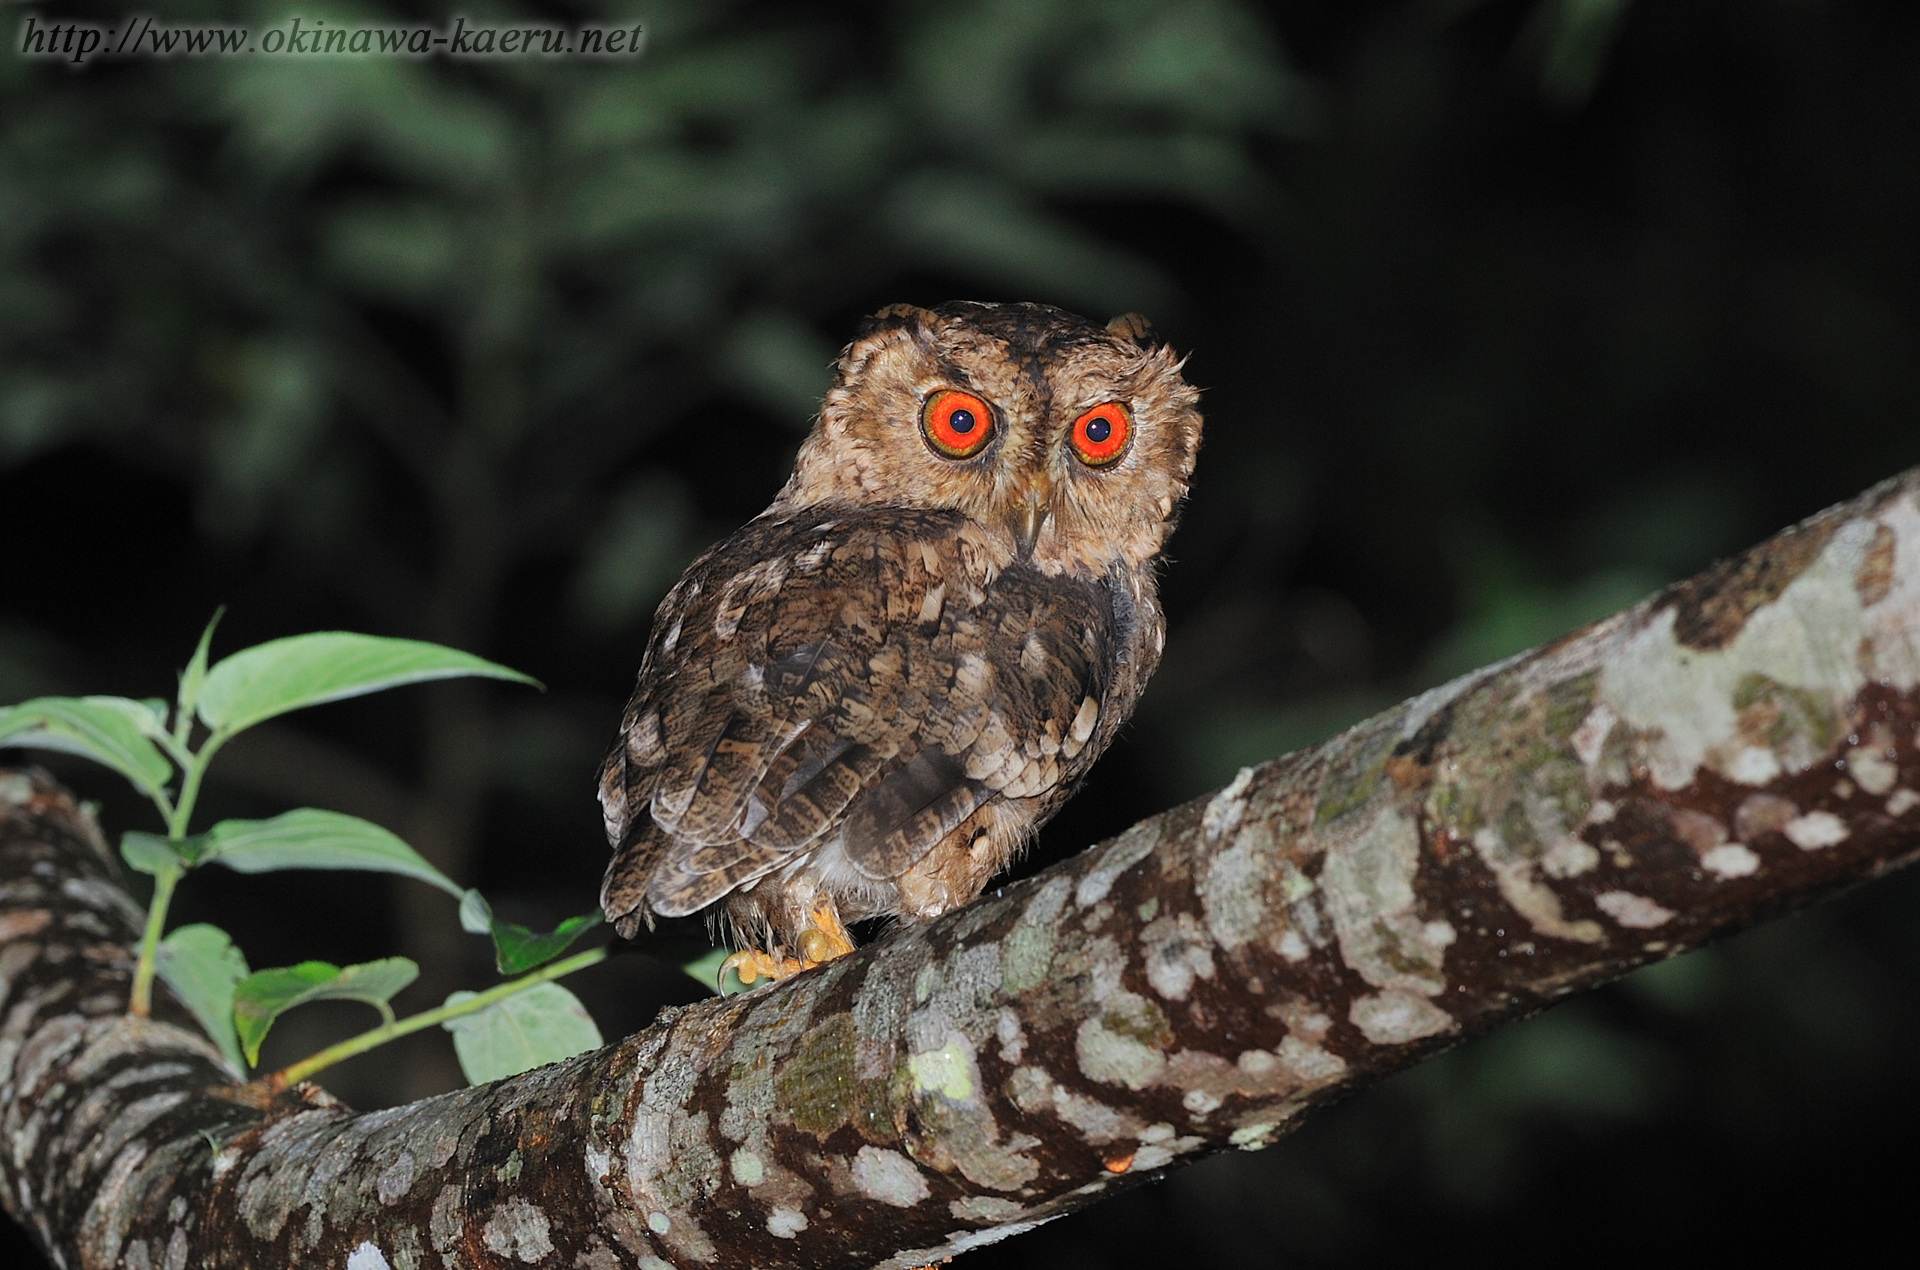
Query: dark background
1507	313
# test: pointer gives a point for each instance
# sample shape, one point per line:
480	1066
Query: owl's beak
1032	513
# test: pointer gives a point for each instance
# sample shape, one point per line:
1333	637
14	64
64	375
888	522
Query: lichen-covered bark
1730	749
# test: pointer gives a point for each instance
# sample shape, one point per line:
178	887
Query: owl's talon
751	965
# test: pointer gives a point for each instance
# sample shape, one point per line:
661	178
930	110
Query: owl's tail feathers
623	891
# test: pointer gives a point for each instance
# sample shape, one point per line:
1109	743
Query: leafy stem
392	1029
195	769
177	816
140	1001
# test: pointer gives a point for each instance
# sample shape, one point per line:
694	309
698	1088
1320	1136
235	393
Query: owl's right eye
956	424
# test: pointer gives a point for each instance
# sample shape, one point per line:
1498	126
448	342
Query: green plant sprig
508	1028
465	1004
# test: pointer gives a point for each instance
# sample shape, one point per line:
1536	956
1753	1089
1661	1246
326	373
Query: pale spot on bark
985	1208
1569	857
1129	849
1160	1154
786	1223
1753	765
1310	1061
969	1240
1233	890
889	1177
746	1168
1681	700
396	1179
1256	1063
1253	1136
1012	1037
1027	954
1872	770
519	1228
1590	738
367	1257
1636	912
1225	808
1530	897
1117	1047
1816	831
1395	1017
1368	886
1731	860
946	1071
1903	801
1093	1118
1175	951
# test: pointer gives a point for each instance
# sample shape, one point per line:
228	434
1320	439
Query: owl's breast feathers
848	691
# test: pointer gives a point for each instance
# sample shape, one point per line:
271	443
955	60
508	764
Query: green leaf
150	853
203	967
308	838
476	915
305	670
195	675
109	730
516	948
530	1029
265	995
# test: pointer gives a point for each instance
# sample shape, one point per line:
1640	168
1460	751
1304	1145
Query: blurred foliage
1509	311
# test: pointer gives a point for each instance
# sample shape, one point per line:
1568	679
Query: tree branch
1730	749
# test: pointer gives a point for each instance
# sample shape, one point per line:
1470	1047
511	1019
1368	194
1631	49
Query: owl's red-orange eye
1101	434
957	424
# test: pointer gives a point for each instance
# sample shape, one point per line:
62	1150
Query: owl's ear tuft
1132	326
893	317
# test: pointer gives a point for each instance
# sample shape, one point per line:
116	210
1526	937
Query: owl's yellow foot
824	940
752	965
827	938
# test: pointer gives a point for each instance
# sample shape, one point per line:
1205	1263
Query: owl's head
1068	441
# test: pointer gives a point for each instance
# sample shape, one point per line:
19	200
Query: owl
865	702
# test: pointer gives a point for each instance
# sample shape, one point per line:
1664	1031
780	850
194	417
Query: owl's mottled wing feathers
850	675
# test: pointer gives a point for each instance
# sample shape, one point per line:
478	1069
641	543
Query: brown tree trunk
1728	750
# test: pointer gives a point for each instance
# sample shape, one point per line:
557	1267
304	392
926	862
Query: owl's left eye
1100	435
956	424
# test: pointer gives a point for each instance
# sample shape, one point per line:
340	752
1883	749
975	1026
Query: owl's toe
752	965
826	938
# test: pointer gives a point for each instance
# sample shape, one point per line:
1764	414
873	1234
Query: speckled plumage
875	691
